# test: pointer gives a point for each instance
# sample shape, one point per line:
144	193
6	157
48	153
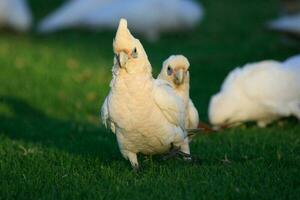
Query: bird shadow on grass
23	122
28	124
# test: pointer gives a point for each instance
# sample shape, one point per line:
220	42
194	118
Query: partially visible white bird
15	14
175	70
147	115
70	14
261	92
147	17
293	61
287	24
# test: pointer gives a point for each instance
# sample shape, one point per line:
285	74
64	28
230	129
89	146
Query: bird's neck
183	91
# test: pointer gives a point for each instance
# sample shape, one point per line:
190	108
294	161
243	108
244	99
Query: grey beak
122	59
179	77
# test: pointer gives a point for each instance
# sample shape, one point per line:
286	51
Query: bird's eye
169	70
134	53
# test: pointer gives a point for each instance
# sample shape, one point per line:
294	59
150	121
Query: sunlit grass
51	90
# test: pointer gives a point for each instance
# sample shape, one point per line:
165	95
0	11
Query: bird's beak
122	59
179	77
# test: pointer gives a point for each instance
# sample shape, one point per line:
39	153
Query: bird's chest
130	102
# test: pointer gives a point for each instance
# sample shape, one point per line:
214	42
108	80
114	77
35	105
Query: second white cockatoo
261	92
147	17
175	70
15	14
146	114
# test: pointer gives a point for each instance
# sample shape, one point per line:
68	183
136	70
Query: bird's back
272	84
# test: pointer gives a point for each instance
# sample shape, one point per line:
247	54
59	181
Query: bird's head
221	110
226	107
129	52
175	70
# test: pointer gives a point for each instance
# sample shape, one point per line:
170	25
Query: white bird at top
148	18
261	92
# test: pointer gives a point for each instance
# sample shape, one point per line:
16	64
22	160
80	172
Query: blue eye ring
169	70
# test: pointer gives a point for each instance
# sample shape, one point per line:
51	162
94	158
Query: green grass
51	89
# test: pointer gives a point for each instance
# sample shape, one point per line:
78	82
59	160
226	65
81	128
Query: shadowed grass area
52	87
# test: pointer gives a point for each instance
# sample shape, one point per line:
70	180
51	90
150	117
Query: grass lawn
53	147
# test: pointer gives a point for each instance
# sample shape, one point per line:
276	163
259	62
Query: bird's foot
176	152
185	156
136	168
171	154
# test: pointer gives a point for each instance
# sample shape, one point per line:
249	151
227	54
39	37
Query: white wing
193	116
105	116
169	103
273	85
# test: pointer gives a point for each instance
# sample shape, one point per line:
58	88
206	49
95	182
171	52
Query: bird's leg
132	157
262	123
133	161
185	150
172	152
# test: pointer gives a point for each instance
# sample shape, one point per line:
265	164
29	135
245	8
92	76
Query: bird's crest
124	39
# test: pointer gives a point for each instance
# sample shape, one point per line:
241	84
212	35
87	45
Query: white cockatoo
145	114
175	70
15	14
70	14
287	24
147	17
261	92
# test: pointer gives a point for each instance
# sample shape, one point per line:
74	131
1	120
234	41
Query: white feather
105	117
169	103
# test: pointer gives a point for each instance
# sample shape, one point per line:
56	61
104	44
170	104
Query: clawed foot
175	152
136	169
